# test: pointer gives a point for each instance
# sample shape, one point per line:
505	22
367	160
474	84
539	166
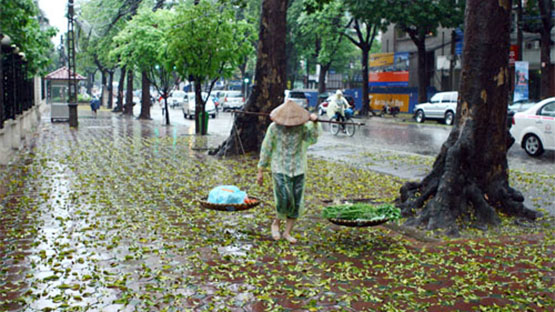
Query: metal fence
16	87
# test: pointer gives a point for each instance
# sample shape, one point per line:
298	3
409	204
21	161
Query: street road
390	135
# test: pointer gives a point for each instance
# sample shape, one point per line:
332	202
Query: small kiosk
57	90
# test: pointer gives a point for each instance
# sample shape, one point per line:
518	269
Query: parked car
441	107
521	105
322	108
230	100
137	97
534	128
176	98
515	107
298	97
189	105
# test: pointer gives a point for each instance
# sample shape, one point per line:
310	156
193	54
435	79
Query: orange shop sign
389	79
378	100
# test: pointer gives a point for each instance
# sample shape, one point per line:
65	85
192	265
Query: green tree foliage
207	43
18	20
422	18
367	20
143	45
101	20
321	37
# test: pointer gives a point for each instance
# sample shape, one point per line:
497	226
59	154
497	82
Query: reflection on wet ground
105	218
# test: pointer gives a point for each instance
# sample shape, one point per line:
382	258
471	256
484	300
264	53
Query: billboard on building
381	59
389	69
379	100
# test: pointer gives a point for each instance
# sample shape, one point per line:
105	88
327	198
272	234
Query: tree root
438	204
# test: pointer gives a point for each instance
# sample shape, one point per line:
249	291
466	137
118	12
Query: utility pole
72	73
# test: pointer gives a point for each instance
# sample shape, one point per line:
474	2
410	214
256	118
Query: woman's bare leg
287	233
275	229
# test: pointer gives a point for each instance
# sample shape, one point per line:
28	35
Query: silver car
298	97
176	98
231	100
189	105
441	107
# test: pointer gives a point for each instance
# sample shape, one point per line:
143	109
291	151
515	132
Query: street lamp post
72	74
4	42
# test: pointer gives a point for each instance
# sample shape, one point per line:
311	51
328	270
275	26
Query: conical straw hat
289	114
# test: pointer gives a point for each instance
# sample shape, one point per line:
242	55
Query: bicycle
347	124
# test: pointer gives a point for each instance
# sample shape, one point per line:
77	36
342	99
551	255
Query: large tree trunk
546	7
110	89
469	179
365	48
104	91
519	21
145	96
322	78
422	70
247	132
90	82
121	87
128	107
199	107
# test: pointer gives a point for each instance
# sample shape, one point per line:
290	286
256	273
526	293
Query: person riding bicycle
337	106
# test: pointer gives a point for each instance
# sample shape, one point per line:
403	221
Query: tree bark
247	132
519	21
422	70
128	107
121	87
103	99
469	183
545	6
110	89
365	48
90	82
199	107
322	78
145	96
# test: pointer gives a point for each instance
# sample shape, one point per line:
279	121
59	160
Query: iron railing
16	88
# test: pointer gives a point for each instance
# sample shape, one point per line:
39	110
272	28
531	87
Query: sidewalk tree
98	24
143	44
250	12
206	44
367	20
18	20
538	19
420	19
269	82
469	179
103	19
322	34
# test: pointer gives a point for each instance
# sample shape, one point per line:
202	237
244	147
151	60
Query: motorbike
391	110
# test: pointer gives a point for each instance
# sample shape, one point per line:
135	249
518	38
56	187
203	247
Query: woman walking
284	151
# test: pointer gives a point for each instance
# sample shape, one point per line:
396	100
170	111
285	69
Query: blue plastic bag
226	194
349	112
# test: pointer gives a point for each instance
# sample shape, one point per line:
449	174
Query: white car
442	107
176	98
230	100
189	105
534	128
298	97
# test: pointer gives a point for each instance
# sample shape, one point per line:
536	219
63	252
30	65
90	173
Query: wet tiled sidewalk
105	218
